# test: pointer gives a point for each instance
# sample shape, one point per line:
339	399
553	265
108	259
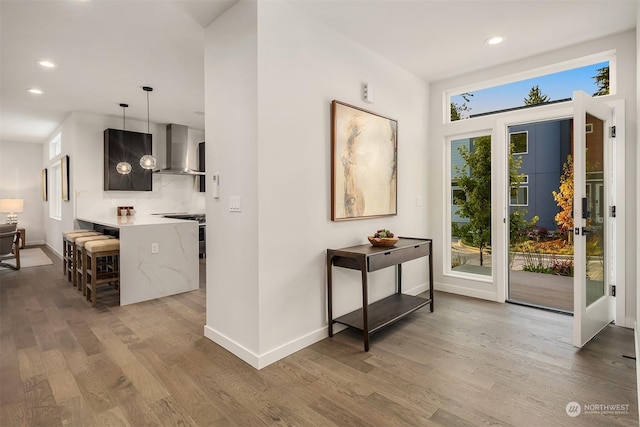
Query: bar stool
69	250
66	248
102	261
79	278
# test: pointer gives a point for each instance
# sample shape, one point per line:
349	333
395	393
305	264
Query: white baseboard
53	250
637	346
269	357
468	292
416	290
260	361
34	242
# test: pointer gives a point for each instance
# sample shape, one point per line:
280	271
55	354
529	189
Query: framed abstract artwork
364	163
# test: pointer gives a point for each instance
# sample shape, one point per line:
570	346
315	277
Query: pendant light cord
147	89
123	115
148	112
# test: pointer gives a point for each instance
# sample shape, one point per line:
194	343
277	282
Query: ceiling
106	50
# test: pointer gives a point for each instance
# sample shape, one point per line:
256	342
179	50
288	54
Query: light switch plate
235	204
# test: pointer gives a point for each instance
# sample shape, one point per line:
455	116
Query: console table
368	258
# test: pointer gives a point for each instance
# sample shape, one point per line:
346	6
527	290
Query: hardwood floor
545	290
469	363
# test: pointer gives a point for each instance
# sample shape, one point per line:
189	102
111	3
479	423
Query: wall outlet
418	201
154	248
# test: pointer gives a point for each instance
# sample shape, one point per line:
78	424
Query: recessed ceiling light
46	64
494	40
35	91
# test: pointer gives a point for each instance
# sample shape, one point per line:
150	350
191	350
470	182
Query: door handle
587	230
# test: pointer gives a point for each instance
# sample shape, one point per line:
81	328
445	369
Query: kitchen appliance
202	228
178	153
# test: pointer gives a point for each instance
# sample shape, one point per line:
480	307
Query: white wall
231	106
625	47
301	66
20	170
82	141
637	337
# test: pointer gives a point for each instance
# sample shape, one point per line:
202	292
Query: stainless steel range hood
178	153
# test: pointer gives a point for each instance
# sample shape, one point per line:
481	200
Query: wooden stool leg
64	256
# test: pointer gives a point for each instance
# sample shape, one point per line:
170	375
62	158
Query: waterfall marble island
158	256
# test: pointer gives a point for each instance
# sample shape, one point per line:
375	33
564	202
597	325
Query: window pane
519	143
519	196
556	87
470	200
55	146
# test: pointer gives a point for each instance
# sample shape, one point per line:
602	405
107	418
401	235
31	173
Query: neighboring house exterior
544	148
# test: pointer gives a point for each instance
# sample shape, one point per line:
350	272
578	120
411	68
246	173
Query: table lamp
11	206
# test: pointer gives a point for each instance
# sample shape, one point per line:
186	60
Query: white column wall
270	75
303	65
231	105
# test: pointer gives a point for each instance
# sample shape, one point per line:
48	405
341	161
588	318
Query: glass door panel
595	226
470	199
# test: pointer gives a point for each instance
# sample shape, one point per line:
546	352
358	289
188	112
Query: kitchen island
158	256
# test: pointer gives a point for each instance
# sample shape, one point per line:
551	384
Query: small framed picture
64	169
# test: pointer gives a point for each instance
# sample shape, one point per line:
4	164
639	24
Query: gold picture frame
44	184
64	170
364	163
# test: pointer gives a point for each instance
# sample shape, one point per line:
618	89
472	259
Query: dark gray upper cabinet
126	146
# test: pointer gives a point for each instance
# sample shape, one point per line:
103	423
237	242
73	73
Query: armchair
9	245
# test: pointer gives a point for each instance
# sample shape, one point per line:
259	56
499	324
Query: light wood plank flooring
469	363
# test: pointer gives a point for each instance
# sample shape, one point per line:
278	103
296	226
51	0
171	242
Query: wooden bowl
383	241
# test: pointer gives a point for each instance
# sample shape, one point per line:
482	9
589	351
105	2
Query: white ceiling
106	50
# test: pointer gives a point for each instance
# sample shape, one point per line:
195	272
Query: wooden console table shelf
366	258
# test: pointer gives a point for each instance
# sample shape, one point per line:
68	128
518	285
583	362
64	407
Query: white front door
593	220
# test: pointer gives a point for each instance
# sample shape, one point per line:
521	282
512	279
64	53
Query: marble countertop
133	220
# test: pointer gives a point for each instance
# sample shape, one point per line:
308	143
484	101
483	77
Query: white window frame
521	187
55	145
609	55
55	191
449	206
526	149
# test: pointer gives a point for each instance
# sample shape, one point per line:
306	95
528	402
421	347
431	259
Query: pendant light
123	168
147	161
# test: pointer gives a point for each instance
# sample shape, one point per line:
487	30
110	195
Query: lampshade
123	168
11	205
148	161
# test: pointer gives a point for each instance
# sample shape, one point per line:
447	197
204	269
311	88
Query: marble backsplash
171	193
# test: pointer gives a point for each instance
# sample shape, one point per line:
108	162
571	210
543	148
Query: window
594	75
519	196
55	146
470	206
457	194
519	142
55	191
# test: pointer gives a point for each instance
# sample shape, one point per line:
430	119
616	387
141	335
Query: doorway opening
541	214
